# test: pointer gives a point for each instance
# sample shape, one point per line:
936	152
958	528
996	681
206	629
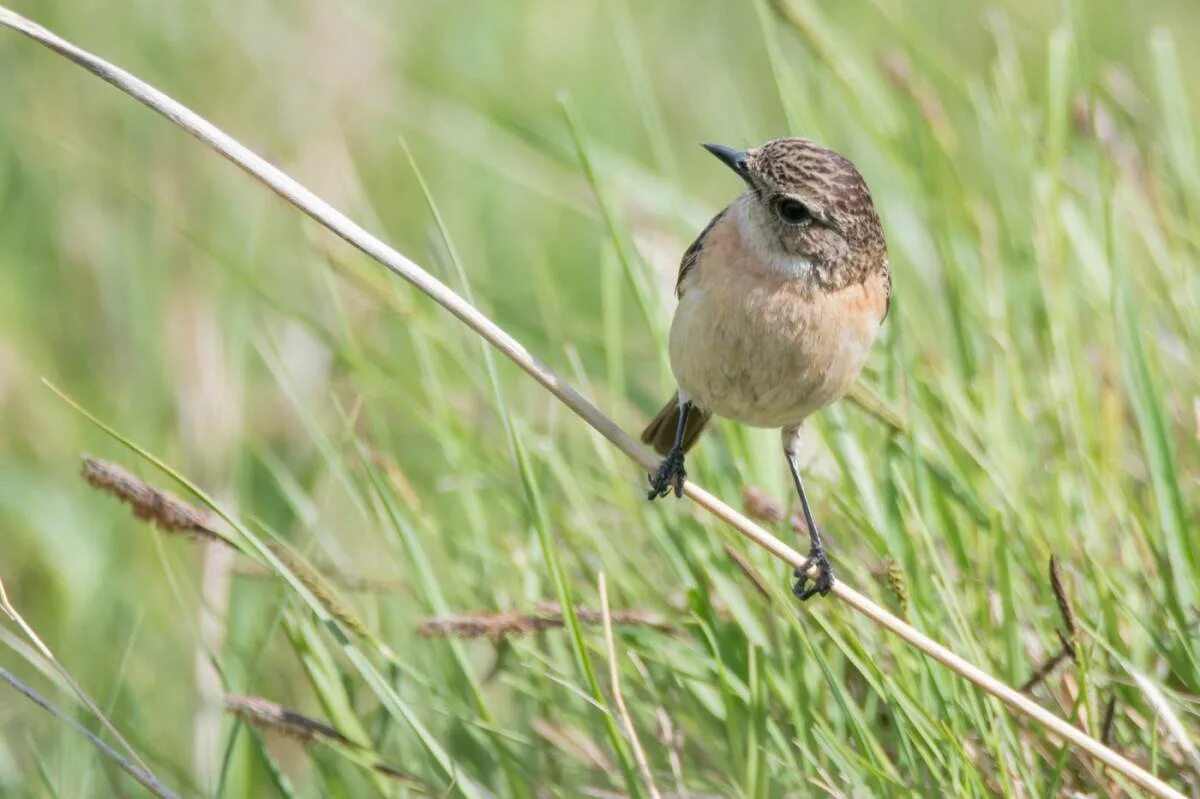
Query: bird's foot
822	584
670	474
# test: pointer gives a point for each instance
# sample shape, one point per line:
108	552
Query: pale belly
765	357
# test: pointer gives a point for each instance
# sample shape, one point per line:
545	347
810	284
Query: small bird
780	299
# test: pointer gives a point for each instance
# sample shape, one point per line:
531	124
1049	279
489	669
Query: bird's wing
692	254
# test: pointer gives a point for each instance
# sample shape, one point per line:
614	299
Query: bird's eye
793	211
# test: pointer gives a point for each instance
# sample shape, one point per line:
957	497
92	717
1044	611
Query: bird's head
806	211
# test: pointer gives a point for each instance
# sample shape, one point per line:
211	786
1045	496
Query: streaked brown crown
844	238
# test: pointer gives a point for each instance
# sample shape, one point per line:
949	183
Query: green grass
1040	359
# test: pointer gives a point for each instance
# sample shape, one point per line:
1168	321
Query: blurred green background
1038	174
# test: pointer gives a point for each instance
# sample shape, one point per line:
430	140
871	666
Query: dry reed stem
341	225
143	777
669	735
614	677
501	626
672	738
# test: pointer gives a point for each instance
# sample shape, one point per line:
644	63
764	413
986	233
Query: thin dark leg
816	553
671	473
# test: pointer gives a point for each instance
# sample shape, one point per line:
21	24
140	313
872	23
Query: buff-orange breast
752	344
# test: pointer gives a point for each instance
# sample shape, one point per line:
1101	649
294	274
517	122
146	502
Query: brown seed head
268	715
316	583
273	717
170	513
1064	608
548	616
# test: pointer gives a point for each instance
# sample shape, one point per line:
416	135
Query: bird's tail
660	433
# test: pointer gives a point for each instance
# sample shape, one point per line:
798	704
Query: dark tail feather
660	433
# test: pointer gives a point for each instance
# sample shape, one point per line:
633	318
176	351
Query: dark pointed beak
737	160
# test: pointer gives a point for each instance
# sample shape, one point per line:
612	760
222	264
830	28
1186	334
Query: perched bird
780	299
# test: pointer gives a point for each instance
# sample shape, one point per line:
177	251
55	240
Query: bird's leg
816	553
671	473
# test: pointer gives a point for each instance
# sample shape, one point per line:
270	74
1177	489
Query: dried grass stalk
672	738
614	679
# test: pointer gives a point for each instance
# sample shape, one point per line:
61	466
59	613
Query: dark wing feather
692	254
887	273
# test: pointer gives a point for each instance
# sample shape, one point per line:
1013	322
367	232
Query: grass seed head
268	715
162	508
547	616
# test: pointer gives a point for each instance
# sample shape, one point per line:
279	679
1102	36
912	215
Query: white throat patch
755	233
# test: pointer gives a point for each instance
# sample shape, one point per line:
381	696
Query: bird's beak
737	160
